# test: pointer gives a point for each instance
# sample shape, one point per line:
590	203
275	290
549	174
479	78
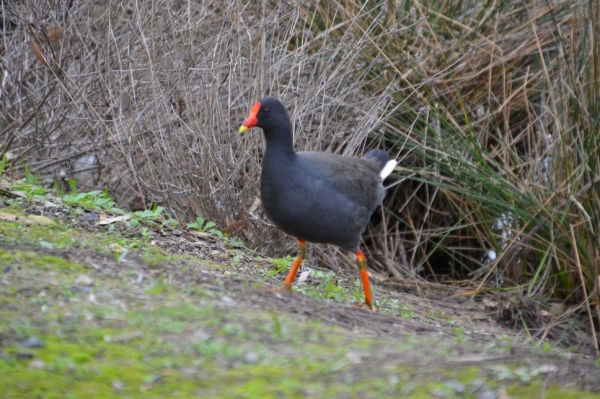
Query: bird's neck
280	144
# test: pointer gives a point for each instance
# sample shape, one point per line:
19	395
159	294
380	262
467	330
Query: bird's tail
386	164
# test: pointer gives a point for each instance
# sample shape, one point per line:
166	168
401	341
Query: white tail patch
388	168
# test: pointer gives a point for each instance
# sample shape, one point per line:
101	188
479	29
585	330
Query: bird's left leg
292	274
361	261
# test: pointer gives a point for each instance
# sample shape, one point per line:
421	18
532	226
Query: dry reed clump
490	108
146	98
500	108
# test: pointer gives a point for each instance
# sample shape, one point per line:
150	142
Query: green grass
63	235
86	362
107	337
188	344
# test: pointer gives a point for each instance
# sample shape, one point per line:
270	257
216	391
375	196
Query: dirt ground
203	317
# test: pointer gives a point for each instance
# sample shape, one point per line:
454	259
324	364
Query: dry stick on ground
587	300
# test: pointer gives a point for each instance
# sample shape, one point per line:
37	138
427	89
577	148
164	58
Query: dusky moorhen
316	196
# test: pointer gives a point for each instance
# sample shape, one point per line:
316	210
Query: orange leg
361	261
292	274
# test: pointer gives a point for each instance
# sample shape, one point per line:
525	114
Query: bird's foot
282	290
363	305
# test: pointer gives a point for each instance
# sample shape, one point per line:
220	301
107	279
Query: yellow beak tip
243	129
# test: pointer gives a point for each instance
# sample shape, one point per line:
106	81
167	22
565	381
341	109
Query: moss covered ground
92	313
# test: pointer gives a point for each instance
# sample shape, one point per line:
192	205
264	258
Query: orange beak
251	120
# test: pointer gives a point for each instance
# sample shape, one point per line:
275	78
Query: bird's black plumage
316	196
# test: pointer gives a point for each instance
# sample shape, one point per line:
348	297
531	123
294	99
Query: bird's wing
355	178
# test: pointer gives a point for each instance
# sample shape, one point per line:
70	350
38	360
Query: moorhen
316	196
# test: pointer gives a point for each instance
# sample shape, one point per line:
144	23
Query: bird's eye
265	109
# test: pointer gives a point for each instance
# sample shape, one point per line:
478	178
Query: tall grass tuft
496	118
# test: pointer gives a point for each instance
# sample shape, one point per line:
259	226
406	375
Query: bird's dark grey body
315	196
322	198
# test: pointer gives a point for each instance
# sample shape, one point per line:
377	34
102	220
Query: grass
104	333
172	347
93	200
324	285
63	236
497	136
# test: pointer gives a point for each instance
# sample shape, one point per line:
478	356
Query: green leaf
122	256
73	185
216	232
209	225
3	164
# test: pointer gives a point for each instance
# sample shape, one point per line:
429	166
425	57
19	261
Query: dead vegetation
489	107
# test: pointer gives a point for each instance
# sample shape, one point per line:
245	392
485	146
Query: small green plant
233	242
281	264
144	232
318	274
32	191
29	178
277	327
328	288
201	225
205	226
22	330
546	347
29	186
147	216
120	257
358	292
93	200
3	164
170	223
60	191
65	242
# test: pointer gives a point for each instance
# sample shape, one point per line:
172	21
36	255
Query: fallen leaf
232	227
8	216
19	193
254	205
36	364
201	234
51	35
116	247
303	276
47	245
37	219
38	51
112	220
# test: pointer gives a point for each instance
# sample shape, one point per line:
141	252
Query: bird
316	197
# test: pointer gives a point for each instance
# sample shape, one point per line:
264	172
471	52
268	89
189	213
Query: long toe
363	305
